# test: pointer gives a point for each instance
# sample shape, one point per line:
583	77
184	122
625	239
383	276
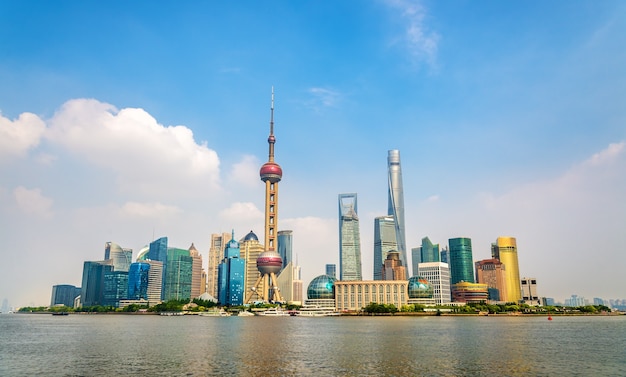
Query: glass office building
285	246
396	201
349	238
231	283
384	241
178	275
138	278
64	294
461	260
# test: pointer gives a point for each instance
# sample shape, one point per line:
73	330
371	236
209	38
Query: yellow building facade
355	295
505	250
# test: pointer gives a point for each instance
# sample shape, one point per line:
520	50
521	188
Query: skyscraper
505	250
178	275
92	288
393	268
216	253
461	262
269	262
231	284
196	272
115	287
157	251
155	281
492	273
438	274
250	249
384	241
285	246
396	201
138	277
331	270
63	294
349	238
428	251
122	258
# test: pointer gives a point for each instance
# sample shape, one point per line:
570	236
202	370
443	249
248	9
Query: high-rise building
269	262
428	251
122	258
138	277
491	272
384	241
331	270
396	201
445	255
438	274
251	248
178	275
349	238
505	250
115	287
231	283
393	268
157	251
196	272
416	259
290	284
461	262
64	294
216	253
155	281
92	288
285	246
529	291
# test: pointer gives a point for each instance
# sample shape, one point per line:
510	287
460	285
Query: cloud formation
421	43
146	157
32	202
149	210
20	135
246	171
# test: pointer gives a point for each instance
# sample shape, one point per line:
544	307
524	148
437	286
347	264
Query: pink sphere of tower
271	171
269	262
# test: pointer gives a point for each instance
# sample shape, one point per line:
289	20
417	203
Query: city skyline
509	118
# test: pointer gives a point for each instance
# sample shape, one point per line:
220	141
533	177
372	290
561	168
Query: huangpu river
150	345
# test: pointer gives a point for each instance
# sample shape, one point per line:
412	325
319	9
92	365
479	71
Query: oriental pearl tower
269	262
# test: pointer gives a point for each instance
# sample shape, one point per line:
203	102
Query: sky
128	121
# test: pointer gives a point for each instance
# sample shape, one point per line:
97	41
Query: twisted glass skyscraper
349	238
396	201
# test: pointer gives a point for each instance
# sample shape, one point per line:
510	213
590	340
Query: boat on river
273	312
316	311
215	313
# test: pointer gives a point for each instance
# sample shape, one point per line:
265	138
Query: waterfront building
384	241
331	270
321	291
92	288
491	272
505	250
231	275
122	258
420	291
138	278
196	272
178	275
216	253
155	281
469	292
349	238
157	251
438	274
290	284
269	263
251	248
115	287
393	268
285	246
461	263
395	206
63	294
355	295
529	291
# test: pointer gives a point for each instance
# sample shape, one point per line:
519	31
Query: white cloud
421	43
146	157
32	202
149	209
325	97
20	135
241	212
246	172
433	198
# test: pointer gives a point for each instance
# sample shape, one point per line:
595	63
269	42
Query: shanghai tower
396	201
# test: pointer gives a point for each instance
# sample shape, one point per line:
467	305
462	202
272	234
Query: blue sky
121	121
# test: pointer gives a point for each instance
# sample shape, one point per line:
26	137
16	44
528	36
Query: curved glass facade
322	287
461	261
420	288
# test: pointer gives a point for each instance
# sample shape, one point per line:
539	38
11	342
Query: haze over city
126	122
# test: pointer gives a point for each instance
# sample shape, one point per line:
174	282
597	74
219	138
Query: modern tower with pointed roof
349	238
269	262
396	201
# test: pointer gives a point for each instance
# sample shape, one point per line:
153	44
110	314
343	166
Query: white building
529	291
437	274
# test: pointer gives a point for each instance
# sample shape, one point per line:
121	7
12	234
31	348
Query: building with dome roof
251	248
421	291
321	291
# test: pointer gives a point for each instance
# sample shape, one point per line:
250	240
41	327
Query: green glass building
460	260
178	274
